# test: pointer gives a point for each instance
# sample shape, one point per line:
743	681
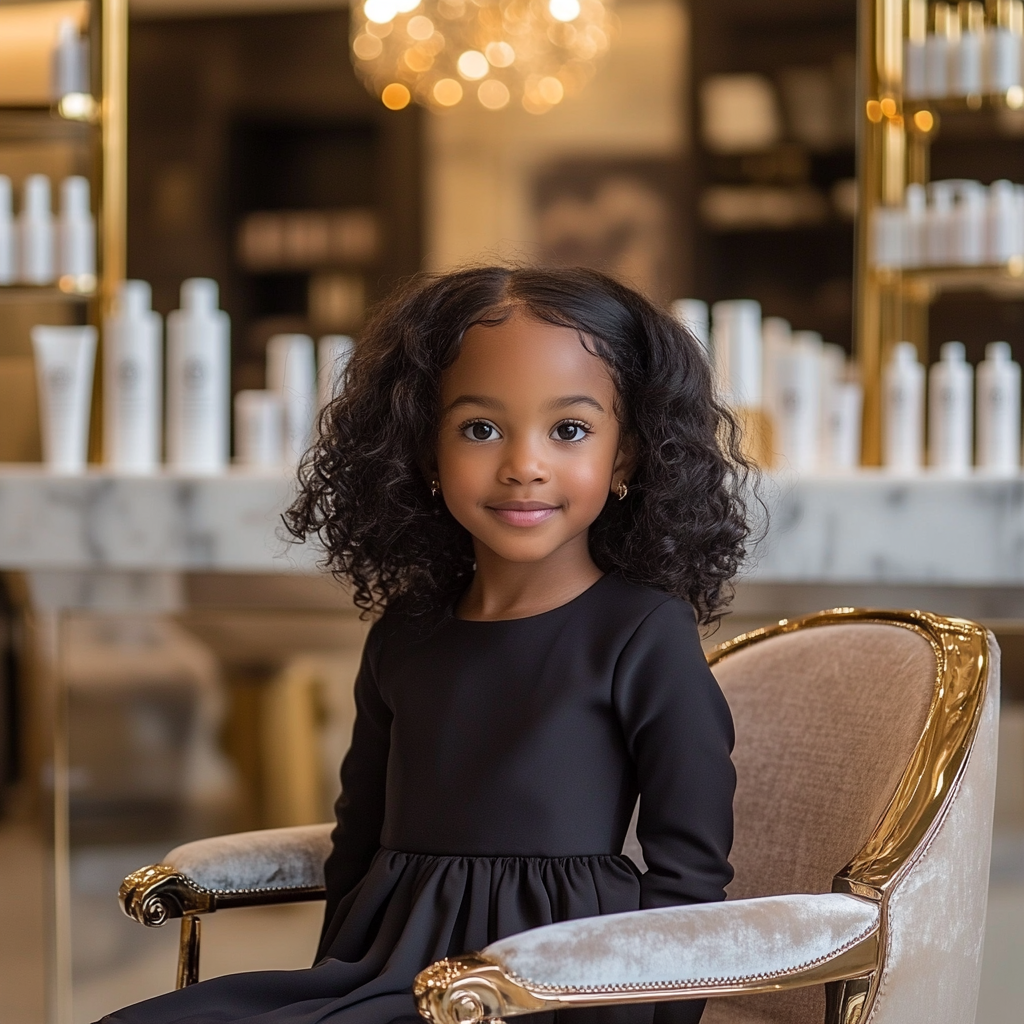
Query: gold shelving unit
894	138
97	121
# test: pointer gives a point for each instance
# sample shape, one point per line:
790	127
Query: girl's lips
523	516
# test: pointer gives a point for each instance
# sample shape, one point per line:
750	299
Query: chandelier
441	53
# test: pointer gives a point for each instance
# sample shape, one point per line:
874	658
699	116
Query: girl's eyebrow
563	403
487	403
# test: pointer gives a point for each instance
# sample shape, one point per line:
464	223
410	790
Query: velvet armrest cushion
705	944
266	860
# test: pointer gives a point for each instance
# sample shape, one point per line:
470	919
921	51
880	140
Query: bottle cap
997	352
199	295
134	298
37	196
74	197
904	353
952	352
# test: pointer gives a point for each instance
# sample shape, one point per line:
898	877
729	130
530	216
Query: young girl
529	475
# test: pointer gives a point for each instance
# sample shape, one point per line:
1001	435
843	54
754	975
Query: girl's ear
625	463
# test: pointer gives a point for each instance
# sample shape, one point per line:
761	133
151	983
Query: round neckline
526	618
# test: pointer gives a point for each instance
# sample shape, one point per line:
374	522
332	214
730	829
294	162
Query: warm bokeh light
428	46
499	55
888	106
924	120
493	94
447	92
874	111
1015	97
472	65
395	96
564	10
551	90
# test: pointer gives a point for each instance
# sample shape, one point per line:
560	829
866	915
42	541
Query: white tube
259	434
887	231
35	232
915	73
797	402
333	353
940	222
951	411
1004	46
132	382
843	427
1004	235
693	314
198	380
999	411
903	410
77	235
915	221
967	74
8	250
777	336
937	55
736	345
64	366
969	224
291	371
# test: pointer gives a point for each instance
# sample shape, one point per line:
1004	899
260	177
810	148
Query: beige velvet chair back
828	718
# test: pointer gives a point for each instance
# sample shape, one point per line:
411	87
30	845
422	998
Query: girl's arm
679	733
360	807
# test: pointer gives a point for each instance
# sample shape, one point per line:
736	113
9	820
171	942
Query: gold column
114	107
881	174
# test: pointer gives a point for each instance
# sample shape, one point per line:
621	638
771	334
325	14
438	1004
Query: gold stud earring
622	490
435	487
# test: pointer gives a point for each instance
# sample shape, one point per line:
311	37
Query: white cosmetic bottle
969	224
693	314
940	220
259	438
736	344
966	72
77	236
797	403
291	372
333	353
915	75
198	380
843	427
1004	46
35	232
937	52
1004	222
8	250
777	338
132	382
887	231
903	410
999	384
951	411
915	226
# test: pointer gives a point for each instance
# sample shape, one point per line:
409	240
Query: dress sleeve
359	809
679	733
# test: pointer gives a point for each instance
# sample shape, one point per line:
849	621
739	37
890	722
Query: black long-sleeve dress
493	772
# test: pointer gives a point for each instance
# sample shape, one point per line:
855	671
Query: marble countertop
866	528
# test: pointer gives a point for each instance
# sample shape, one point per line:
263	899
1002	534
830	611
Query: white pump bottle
950	411
132	382
999	411
903	410
198	380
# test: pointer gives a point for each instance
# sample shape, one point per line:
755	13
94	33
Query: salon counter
859	535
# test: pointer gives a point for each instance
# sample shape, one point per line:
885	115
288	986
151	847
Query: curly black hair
683	527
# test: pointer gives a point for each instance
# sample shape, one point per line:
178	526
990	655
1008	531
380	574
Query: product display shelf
895	137
94	122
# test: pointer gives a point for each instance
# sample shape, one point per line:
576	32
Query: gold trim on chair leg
188	951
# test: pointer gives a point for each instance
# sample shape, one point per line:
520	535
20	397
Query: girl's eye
480	431
570	431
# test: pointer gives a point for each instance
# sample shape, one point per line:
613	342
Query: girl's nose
523	465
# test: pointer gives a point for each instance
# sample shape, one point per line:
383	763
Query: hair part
683	526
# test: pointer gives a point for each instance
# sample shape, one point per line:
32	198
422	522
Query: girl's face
529	445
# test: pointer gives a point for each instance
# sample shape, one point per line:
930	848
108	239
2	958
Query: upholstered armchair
865	755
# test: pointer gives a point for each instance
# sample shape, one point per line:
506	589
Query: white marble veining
869	528
872	527
102	521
